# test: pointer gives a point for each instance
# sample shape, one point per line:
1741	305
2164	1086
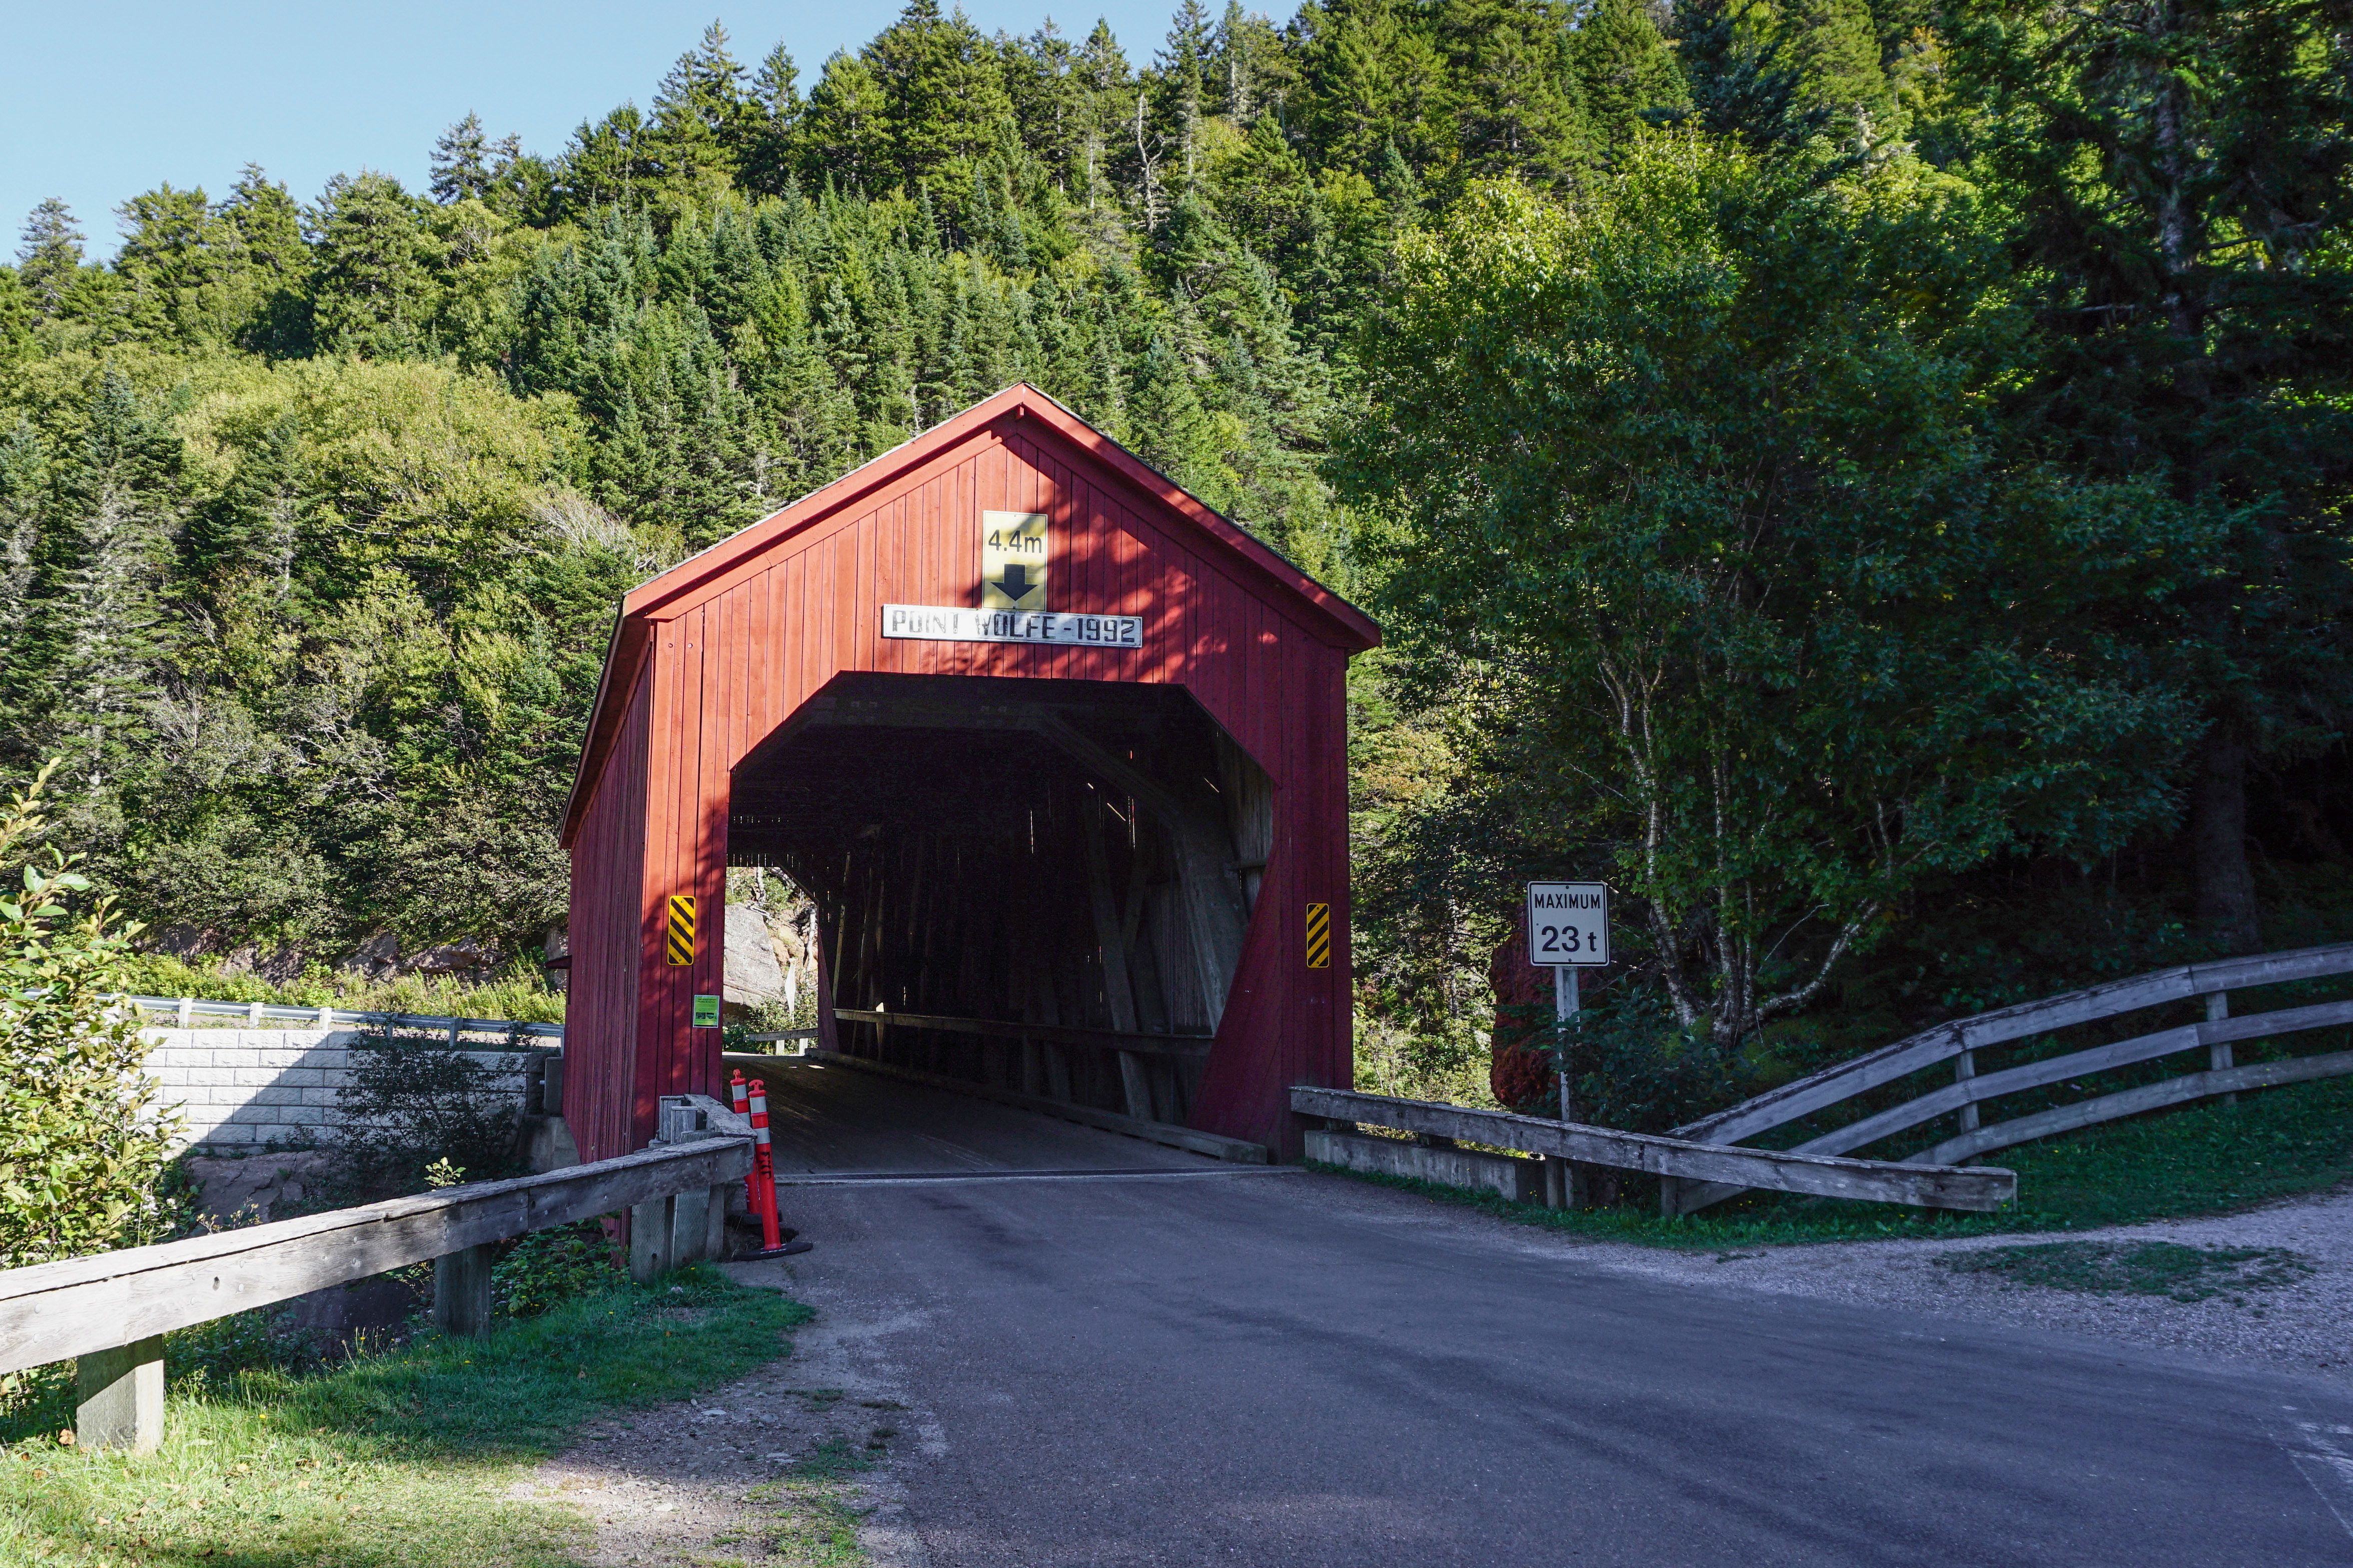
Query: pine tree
1250	72
1180	76
276	264
176	259
1372	72
765	139
943	92
461	168
2178	174
1517	110
1625	68
95	631
1104	100
372	294
50	256
705	88
1742	74
845	132
1835	47
24	481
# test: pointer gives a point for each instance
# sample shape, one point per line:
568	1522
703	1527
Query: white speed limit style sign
1568	924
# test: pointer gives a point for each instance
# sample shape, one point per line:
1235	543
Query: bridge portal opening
1042	885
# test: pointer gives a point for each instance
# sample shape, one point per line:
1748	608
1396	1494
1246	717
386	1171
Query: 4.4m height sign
1568	924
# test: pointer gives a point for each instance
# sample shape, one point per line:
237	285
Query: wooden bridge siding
608	945
725	672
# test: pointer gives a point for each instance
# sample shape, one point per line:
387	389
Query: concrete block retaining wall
1520	1180
252	1089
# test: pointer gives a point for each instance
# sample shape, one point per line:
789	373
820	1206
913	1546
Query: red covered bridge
1060	753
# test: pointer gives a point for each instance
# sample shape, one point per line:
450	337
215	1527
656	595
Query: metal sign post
1568	929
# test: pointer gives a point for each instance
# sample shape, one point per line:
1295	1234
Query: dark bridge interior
1039	885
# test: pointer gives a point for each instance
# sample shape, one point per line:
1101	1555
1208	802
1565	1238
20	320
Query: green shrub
414	1100
550	1266
83	1144
1630	1065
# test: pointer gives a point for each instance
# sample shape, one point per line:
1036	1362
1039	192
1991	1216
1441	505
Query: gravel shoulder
2306	1327
725	1478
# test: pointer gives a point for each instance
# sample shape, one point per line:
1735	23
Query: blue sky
100	101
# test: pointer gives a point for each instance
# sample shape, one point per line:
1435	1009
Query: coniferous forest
1866	478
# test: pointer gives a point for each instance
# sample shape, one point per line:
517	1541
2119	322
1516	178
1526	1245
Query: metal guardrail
1959	1041
1674	1159
109	1312
187	1009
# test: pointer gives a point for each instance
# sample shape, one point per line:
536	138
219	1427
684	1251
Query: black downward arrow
1016	584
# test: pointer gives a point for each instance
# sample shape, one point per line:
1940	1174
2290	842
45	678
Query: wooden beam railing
109	1312
1140	1043
1672	1158
1972	1086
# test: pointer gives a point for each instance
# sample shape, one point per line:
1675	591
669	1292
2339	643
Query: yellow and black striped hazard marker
681	928
1319	936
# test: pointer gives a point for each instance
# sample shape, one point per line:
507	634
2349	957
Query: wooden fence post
651	1225
2219	1055
690	1223
461	1291
119	1397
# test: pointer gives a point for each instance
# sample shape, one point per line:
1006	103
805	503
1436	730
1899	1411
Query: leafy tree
83	1145
1709	524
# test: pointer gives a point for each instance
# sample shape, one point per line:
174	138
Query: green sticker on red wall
706	1012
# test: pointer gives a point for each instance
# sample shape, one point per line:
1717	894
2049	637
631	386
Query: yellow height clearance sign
681	946
1013	551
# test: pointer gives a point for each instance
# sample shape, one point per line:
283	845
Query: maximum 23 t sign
1568	924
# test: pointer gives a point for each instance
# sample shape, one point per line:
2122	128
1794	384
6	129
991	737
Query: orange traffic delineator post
742	1100
762	1179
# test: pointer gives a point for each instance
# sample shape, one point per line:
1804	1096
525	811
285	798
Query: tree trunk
2218	843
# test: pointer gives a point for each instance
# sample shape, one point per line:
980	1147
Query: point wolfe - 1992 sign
934	623
1015	552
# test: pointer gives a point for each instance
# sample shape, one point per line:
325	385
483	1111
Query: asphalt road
1207	1365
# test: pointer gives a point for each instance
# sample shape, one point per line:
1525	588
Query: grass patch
396	1460
816	1507
2166	1269
2212	1159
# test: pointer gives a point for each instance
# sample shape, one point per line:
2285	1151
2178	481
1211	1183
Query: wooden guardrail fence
1959	1041
1674	1159
109	1312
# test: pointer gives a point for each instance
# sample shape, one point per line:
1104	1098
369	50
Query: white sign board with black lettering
1568	924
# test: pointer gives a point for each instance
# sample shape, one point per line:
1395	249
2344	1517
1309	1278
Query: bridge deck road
1287	1368
829	1118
